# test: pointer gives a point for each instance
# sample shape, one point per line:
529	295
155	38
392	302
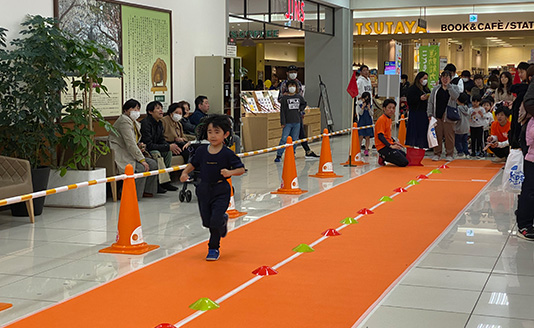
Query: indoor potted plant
32	74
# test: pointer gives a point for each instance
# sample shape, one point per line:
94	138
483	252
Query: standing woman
503	92
417	97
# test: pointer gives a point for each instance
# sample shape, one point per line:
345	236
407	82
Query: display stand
323	98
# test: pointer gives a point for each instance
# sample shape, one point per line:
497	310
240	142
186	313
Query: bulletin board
142	38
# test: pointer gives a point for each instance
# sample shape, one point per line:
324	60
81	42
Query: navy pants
213	200
394	156
461	143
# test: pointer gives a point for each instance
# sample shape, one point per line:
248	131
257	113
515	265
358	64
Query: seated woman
173	130
189	128
129	150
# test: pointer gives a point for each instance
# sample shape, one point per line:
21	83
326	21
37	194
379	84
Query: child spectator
476	124
365	118
487	104
216	163
292	106
462	127
388	149
498	140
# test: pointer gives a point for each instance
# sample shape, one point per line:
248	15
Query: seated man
498	139
388	149
202	107
152	136
129	150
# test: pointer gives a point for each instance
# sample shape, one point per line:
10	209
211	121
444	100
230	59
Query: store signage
389	27
493	26
473	18
295	10
429	63
255	34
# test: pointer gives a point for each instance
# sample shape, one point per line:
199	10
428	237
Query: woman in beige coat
173	130
128	149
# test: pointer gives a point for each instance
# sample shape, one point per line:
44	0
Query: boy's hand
225	173
184	177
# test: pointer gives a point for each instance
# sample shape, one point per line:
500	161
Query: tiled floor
478	275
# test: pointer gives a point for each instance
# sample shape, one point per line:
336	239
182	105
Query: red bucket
415	156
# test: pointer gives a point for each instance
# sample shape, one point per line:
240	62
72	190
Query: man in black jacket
520	89
152	137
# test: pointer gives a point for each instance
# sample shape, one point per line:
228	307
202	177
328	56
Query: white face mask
292	76
176	117
424	82
292	89
134	114
465	79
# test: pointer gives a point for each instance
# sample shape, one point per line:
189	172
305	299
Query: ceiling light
491	38
517	37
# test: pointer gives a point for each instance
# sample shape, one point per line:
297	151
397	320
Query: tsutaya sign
388	27
295	10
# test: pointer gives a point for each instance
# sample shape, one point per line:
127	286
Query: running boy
216	163
388	149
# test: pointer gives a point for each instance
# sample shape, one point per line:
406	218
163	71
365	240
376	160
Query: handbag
513	175
452	113
163	177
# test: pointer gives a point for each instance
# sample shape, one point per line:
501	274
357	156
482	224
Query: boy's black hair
450	67
387	102
487	100
291	82
152	105
501	108
466	73
463	98
404	76
131	103
217	120
476	98
523	65
478	76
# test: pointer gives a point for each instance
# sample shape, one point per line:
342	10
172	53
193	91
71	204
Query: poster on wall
109	104
141	39
146	54
429	63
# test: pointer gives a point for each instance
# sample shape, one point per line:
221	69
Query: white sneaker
449	158
435	158
461	156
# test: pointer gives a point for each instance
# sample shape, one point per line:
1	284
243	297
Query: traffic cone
355	156
231	211
326	169
130	234
402	131
290	182
5	306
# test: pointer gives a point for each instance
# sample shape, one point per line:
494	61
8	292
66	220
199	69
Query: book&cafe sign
454	24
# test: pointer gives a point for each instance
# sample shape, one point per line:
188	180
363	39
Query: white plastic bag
431	134
513	174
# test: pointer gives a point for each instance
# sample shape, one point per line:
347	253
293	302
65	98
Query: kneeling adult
388	149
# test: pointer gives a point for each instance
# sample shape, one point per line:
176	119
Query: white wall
502	56
198	29
281	52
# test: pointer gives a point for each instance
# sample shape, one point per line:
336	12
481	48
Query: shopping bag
431	135
163	177
513	175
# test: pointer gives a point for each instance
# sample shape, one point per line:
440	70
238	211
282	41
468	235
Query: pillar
408	61
331	58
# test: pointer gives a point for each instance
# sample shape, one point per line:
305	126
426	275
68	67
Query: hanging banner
398	58
429	63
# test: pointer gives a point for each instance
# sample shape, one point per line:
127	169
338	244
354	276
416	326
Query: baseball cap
292	68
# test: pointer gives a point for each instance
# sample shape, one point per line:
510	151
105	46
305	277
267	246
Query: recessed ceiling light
517	37
491	38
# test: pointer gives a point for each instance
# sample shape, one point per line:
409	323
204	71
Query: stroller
201	135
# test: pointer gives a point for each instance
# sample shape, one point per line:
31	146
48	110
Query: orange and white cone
130	234
355	156
326	168
402	131
290	182
231	211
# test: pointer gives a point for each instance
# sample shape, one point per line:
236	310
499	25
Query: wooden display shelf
263	130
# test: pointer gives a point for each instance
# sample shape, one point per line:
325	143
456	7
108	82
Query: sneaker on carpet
213	255
435	158
366	152
449	158
381	161
311	155
277	159
526	233
460	156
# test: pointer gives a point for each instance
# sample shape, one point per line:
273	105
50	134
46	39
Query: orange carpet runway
330	287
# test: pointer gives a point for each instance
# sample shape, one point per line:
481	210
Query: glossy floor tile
479	274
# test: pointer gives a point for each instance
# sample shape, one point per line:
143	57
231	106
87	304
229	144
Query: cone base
232	214
5	306
325	175
285	191
133	250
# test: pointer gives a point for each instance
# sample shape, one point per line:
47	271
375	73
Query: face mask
424	82
176	117
465	79
134	114
292	76
292	89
